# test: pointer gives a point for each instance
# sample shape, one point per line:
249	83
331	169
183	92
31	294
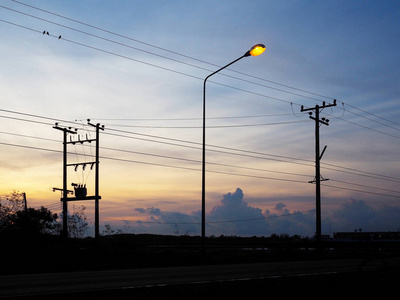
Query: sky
137	67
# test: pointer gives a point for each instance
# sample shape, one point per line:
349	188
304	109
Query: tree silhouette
34	221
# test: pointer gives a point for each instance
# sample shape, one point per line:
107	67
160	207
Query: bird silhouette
59	37
47	33
44	32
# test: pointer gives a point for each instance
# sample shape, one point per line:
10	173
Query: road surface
72	283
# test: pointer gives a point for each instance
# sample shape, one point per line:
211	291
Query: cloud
286	222
358	214
231	216
232	206
167	222
151	211
280	206
234	216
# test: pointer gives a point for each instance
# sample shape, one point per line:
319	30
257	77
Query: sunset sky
137	67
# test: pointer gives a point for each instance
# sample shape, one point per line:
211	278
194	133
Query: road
28	285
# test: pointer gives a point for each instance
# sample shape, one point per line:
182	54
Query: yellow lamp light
256	50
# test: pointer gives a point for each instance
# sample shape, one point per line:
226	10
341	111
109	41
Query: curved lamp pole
254	51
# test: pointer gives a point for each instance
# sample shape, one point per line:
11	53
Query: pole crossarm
324	105
64	129
81	198
81	141
321	179
82	164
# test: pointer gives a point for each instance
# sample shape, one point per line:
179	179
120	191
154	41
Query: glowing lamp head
255	50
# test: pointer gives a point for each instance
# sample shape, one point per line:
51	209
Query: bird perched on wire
59	37
47	33
44	31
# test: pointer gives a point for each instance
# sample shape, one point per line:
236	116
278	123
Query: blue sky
137	67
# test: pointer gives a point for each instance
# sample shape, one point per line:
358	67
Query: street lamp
254	51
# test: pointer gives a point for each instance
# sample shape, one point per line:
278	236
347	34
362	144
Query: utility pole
317	109
80	190
64	196
25	203
96	194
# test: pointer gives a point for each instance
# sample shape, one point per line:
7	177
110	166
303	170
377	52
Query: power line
374	115
169	51
369	128
30	147
189	75
152	163
209	126
36	116
372	120
177	53
365	186
360	191
210	171
353	171
199	144
176	140
173	52
29	136
367	174
192	119
154	65
241	151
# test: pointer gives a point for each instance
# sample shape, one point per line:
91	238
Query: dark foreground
149	267
278	280
335	286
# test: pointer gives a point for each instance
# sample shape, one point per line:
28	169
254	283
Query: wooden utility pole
317	109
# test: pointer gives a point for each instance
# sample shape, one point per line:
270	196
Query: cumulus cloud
234	216
231	216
